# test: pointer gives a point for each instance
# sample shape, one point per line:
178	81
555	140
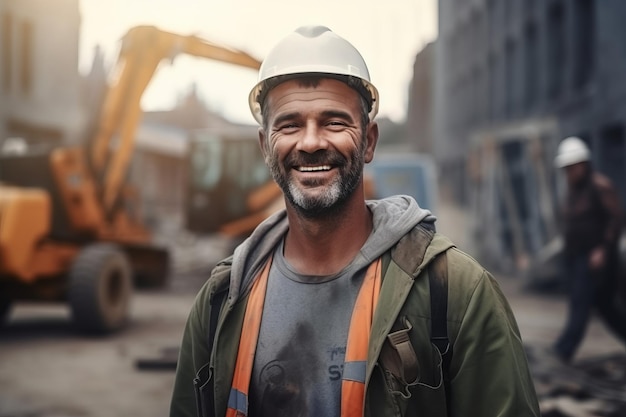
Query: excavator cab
230	189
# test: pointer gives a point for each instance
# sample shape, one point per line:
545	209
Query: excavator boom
143	48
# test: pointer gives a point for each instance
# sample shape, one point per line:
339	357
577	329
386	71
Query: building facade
513	78
419	120
39	79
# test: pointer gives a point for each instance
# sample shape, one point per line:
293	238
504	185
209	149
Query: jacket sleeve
193	355
489	369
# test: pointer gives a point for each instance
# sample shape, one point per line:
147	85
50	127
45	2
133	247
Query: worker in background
592	225
326	309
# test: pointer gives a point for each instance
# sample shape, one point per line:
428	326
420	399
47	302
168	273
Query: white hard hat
312	50
572	150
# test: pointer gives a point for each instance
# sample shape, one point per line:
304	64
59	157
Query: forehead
327	92
576	167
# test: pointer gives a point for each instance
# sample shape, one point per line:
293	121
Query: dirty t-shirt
302	343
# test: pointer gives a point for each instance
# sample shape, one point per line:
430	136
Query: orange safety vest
353	382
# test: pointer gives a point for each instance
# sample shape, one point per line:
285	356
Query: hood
393	217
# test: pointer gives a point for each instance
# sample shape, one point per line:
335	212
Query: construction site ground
48	370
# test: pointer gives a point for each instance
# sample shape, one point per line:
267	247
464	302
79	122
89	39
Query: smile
314	169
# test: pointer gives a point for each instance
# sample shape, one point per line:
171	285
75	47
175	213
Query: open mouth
319	168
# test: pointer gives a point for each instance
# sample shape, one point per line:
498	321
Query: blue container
408	174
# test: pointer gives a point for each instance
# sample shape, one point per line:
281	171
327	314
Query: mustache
316	158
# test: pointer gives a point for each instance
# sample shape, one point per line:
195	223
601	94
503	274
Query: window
508	12
26	62
494	87
529	7
584	29
511	79
612	155
531	65
492	19
7	52
556	49
476	103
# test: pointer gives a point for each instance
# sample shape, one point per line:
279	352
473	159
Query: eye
288	127
336	124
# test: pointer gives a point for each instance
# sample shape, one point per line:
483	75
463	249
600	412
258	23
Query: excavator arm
143	48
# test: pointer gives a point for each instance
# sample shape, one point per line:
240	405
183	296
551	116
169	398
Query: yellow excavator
68	232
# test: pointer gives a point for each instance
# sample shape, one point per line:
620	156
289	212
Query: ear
371	136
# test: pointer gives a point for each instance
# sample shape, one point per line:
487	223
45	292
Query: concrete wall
39	76
419	124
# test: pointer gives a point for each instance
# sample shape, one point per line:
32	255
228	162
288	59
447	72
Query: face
576	173
315	144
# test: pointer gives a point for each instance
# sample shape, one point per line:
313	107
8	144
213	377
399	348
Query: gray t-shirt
302	343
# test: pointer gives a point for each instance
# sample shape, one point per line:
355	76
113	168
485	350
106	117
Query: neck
324	246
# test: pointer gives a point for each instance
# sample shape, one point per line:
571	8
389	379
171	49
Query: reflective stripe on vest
238	399
353	381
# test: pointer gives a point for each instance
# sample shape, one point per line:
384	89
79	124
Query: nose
312	139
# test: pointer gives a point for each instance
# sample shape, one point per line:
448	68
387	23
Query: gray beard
333	196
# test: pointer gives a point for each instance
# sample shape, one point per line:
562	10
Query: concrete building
514	77
39	79
419	120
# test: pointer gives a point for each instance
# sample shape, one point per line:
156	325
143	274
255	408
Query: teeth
312	169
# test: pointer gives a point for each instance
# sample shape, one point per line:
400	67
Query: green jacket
488	370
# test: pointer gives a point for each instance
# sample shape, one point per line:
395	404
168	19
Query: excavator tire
100	289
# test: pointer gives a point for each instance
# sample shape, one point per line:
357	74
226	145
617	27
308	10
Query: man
592	224
326	307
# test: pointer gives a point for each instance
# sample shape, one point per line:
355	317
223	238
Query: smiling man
316	143
324	148
338	306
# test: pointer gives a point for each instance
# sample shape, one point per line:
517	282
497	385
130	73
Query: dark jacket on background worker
592	215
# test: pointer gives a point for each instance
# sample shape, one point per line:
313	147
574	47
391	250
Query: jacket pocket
203	387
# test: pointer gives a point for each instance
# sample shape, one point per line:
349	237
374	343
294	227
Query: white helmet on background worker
571	150
313	50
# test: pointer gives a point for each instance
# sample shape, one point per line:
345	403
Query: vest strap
353	386
408	368
247	346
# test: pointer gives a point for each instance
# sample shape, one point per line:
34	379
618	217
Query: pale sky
388	33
